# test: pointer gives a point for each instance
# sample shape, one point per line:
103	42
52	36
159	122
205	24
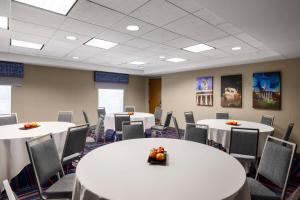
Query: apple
27	125
160	157
153	153
161	149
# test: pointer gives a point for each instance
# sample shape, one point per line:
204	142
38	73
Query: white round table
13	152
219	131
119	171
147	118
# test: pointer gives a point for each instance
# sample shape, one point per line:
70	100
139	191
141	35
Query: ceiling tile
33	15
124	6
161	49
229	28
28	37
181	42
245	49
209	16
58	48
84	52
124	49
95	14
140	43
5	41
215	53
160	35
195	28
76	26
114	36
61	35
188	5
227	41
158	12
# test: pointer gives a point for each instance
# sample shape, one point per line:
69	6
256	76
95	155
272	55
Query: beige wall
178	94
47	90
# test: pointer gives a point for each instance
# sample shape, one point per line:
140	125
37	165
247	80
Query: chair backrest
168	119
101	111
119	119
8	119
222	115
157	113
75	141
267	120
276	161
244	141
176	127
10	194
129	108
196	133
288	132
189	117
99	127
44	158
86	118
133	130
65	116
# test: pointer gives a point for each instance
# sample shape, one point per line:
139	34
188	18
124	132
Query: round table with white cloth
13	152
147	118
194	171
219	131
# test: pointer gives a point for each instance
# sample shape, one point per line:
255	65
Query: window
111	99
5	99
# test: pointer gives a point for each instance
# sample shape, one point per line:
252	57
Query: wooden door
154	94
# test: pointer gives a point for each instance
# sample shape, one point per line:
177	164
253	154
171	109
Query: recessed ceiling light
198	48
4	22
162	57
103	44
176	59
236	48
30	45
75	58
57	6
70	37
133	28
137	62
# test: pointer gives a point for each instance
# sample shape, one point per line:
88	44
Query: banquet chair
288	132
177	129
133	130
9	193
99	130
89	138
275	165
222	115
65	116
7	119
46	164
74	144
196	133
119	119
189	117
157	115
244	144
267	120
101	112
129	108
161	128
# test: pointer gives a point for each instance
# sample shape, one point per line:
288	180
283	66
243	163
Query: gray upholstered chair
74	144
275	165
133	130
101	112
160	128
99	130
177	129
288	132
46	163
222	115
119	119
189	117
8	119
267	120
244	143
65	116
196	133
129	108
10	194
157	115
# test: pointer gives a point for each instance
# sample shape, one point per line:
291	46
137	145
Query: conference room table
193	171
219	131
147	118
13	151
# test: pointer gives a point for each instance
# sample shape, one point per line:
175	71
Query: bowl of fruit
157	156
30	125
130	113
232	123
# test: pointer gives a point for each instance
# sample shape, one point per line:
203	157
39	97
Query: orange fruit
160	157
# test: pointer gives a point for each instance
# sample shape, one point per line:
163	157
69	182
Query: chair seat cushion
62	188
158	128
260	192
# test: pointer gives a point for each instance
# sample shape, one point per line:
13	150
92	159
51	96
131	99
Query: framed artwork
204	91
231	91
267	90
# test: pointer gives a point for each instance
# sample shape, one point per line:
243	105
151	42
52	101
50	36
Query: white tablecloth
147	118
193	171
219	131
13	152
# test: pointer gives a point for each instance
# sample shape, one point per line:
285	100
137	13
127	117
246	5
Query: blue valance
11	69
109	77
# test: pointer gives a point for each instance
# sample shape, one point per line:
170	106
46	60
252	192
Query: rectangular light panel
57	6
103	44
176	60
198	48
3	22
30	45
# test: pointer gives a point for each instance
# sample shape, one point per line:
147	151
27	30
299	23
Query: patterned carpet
25	188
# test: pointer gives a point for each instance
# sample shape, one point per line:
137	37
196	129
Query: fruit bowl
29	125
157	156
232	123
130	113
